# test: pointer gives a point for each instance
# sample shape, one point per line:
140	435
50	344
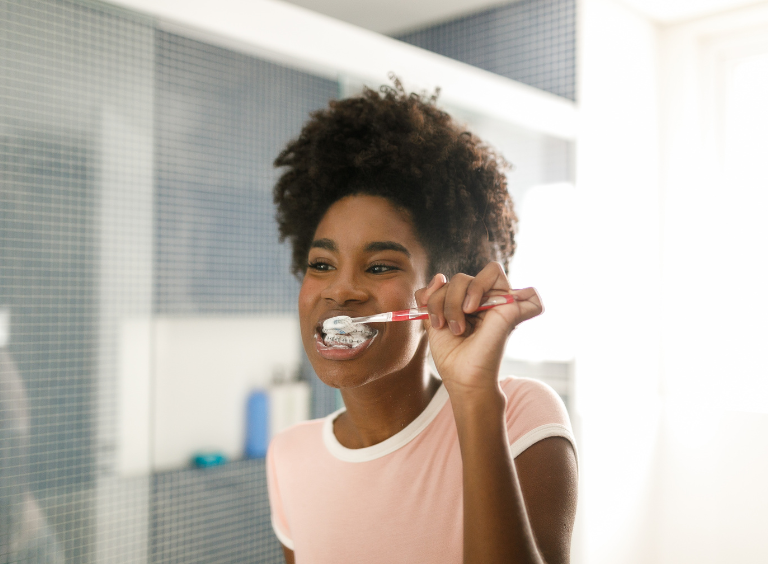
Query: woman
389	205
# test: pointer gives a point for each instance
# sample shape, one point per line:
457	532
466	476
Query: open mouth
348	337
344	341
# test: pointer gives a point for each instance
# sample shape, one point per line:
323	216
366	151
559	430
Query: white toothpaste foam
339	331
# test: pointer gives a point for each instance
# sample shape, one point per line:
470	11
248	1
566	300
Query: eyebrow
375	246
386	246
326	244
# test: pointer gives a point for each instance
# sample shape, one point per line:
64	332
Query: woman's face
365	258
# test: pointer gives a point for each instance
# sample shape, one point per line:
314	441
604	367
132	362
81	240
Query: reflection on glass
24	533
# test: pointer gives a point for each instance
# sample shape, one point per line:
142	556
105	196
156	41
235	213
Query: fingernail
466	303
434	320
432	282
454	327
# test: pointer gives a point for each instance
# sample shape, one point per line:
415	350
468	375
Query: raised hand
467	347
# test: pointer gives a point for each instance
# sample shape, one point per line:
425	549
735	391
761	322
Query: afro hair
403	148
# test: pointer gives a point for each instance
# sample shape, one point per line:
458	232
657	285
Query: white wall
671	391
618	281
185	382
712	489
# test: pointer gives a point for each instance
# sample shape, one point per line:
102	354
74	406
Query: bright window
741	284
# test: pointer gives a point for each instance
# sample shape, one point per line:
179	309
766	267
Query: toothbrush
419	312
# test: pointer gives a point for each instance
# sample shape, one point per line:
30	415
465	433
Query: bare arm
514	511
548	477
519	511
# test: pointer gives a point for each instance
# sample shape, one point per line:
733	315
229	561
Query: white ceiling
393	16
673	11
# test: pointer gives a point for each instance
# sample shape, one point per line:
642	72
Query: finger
454	300
492	277
503	319
435	306
529	302
422	295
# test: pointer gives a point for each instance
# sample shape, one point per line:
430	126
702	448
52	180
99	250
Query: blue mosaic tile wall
221	119
64	66
135	180
531	41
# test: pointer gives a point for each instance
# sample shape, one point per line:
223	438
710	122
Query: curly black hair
400	147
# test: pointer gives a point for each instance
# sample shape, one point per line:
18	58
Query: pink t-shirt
397	501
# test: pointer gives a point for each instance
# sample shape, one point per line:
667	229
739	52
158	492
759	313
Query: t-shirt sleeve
277	511
534	412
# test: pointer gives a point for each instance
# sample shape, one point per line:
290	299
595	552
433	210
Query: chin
341	377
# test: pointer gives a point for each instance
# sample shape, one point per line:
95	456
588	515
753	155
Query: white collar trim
390	445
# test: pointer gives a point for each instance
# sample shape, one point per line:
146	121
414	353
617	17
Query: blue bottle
257	421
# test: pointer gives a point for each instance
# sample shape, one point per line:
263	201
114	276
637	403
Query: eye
320	266
381	268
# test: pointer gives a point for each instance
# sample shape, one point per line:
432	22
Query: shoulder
296	441
533	401
534	412
529	396
287	465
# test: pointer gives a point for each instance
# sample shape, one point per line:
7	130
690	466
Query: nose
344	288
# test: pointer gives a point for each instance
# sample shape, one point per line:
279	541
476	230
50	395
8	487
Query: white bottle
288	401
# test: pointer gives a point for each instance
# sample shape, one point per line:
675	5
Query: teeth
359	335
343	340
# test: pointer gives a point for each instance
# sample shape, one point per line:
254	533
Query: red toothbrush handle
410	314
421	313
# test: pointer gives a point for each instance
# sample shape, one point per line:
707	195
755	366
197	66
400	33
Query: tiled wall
221	119
214	515
135	180
531	41
66	71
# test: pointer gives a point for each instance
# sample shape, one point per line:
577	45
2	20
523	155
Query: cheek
405	342
303	296
406	335
309	292
307	300
397	294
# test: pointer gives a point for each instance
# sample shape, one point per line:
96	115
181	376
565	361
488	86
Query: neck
380	409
